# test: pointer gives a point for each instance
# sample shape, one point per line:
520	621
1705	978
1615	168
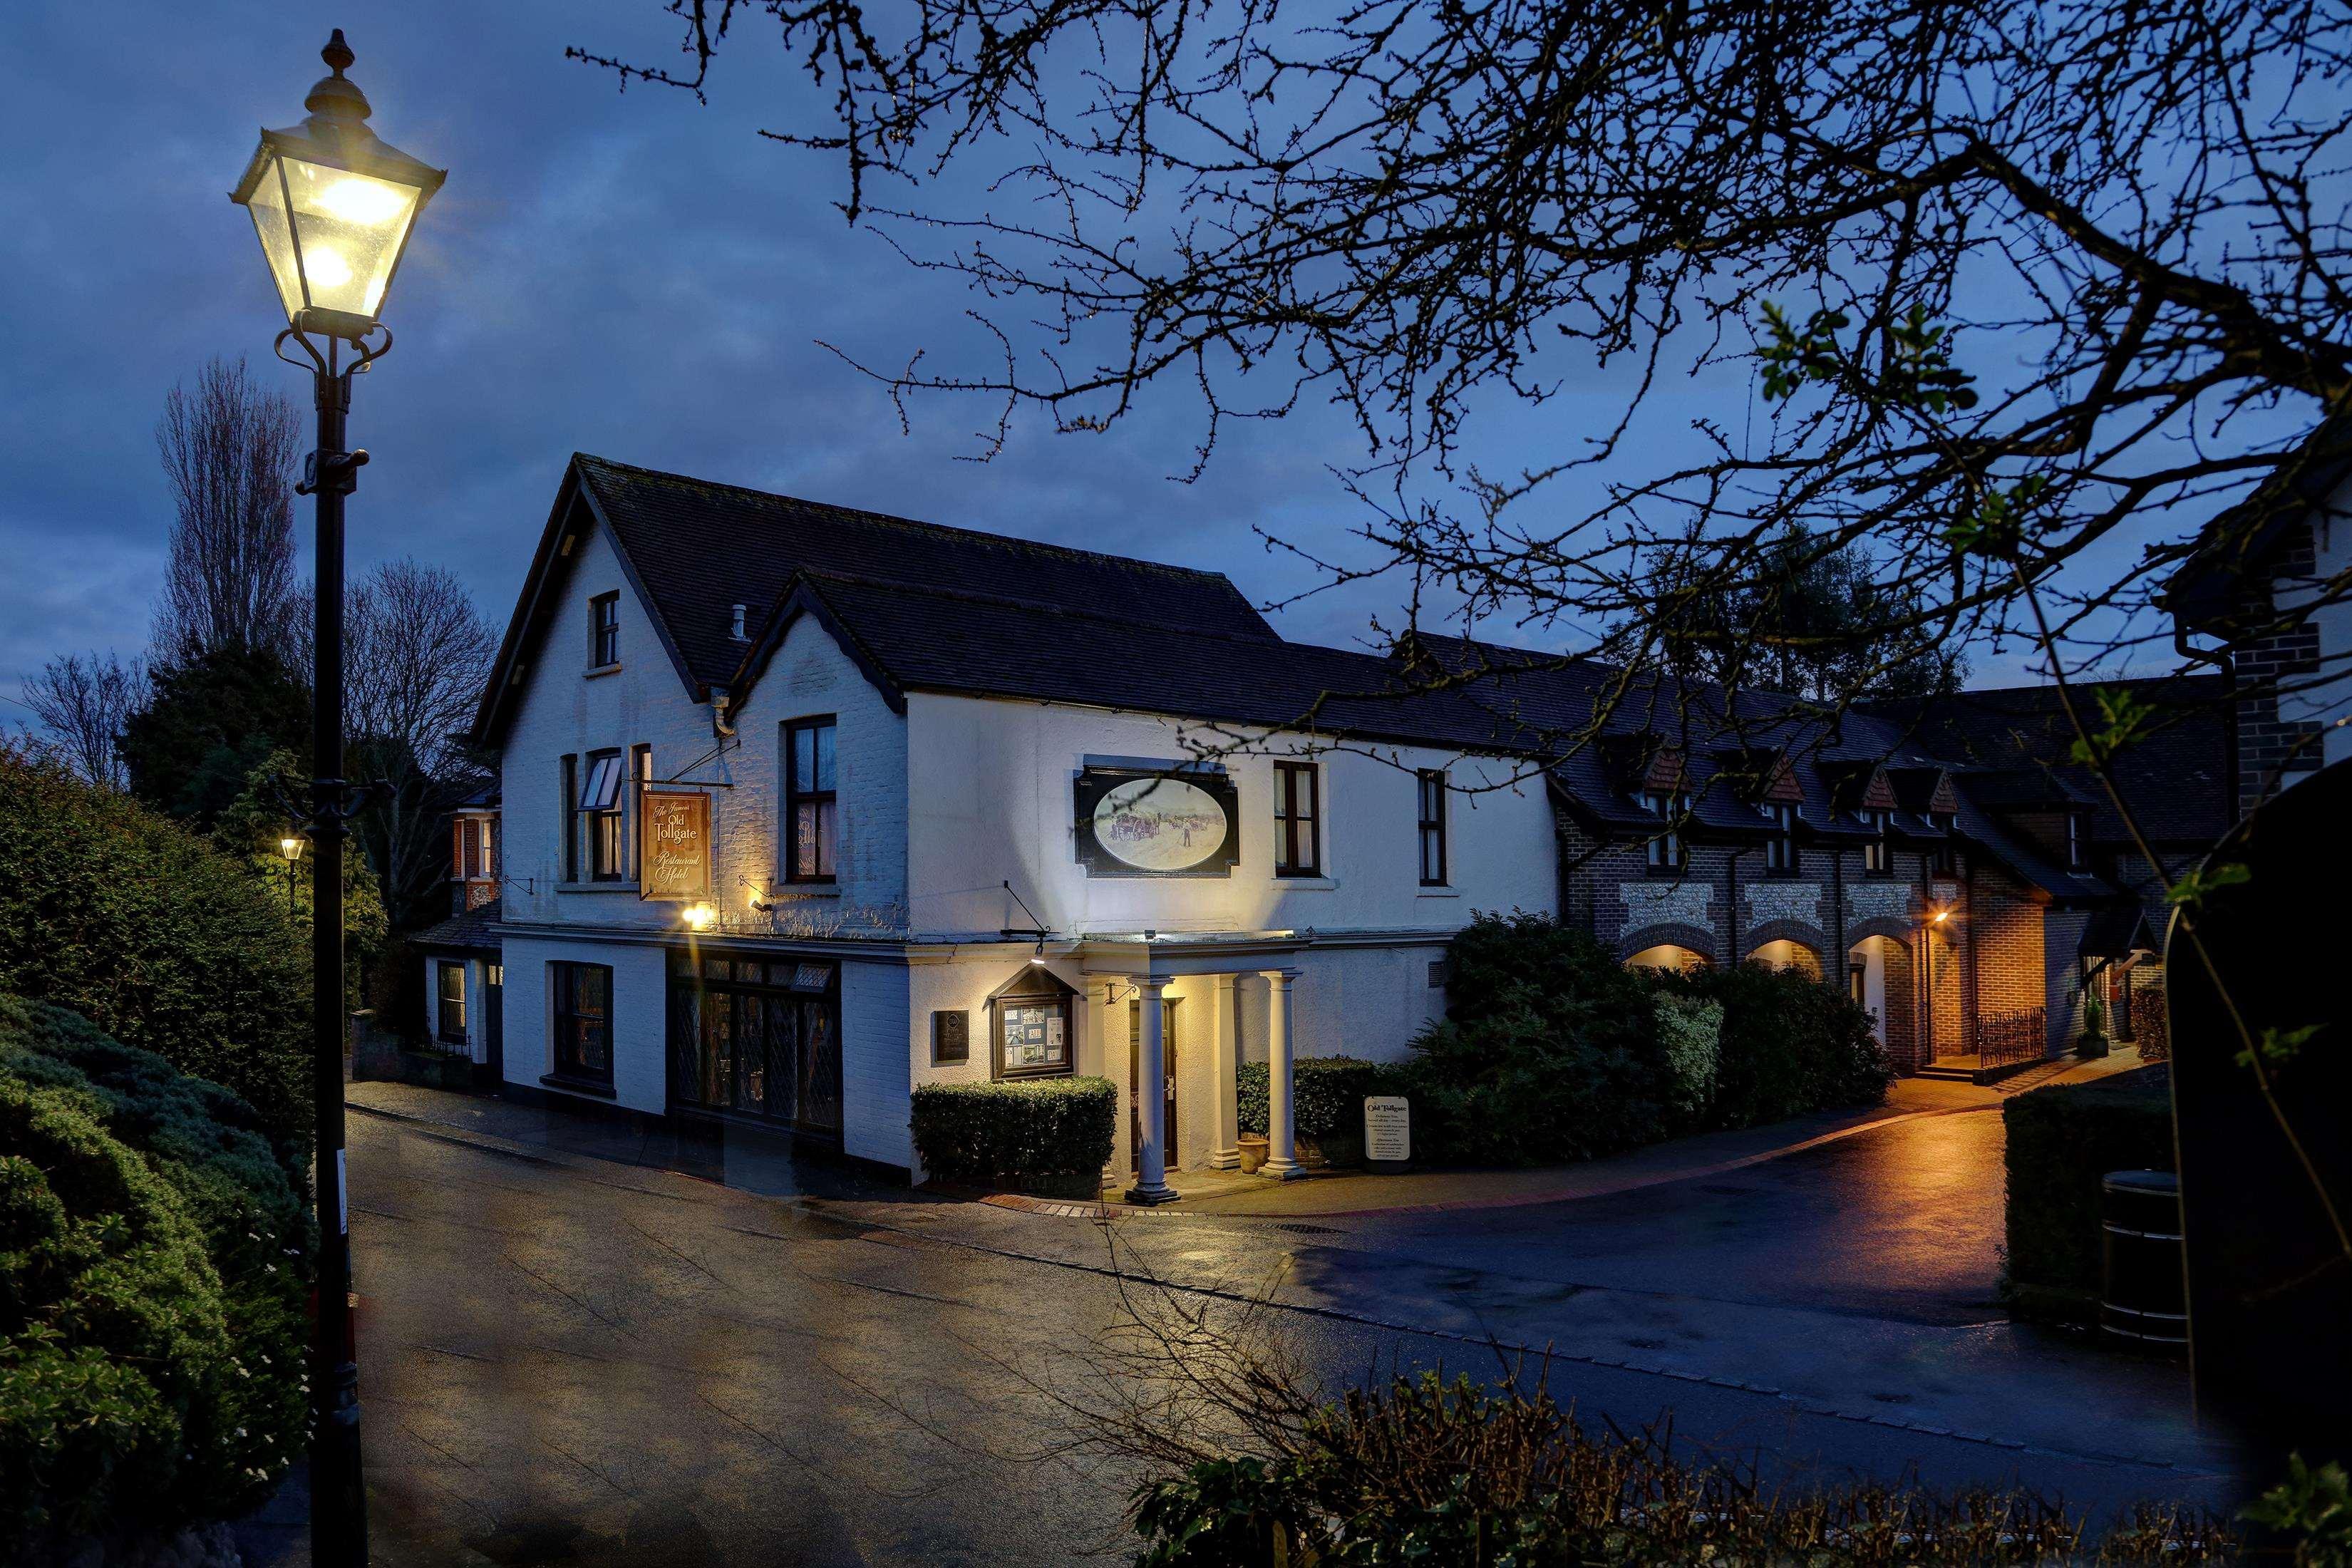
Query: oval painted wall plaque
1159	823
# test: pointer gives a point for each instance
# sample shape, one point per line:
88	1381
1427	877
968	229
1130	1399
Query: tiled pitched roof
471	929
2234	548
935	639
2177	779
700	548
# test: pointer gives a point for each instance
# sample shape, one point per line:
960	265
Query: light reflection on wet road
577	1361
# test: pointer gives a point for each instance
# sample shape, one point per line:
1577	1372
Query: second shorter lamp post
333	205
291	847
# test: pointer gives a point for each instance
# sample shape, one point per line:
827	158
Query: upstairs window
601	815
810	805
1432	827
1780	850
1666	850
603	630
1297	821
1878	852
2077	852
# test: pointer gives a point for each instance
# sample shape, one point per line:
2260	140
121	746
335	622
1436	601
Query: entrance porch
1178	1007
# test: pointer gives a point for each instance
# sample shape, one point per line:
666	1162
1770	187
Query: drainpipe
1928	953
2220	661
1969	1003
1837	917
1731	919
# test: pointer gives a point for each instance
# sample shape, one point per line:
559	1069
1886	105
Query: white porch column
1281	1151
1150	1095
1225	1043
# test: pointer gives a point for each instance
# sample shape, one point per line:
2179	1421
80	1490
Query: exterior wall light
1943	915
699	917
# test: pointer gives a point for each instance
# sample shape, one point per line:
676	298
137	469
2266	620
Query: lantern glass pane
268	210
350	227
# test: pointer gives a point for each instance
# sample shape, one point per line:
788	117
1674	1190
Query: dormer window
1878	851
603	630
1780	850
2078	853
1666	851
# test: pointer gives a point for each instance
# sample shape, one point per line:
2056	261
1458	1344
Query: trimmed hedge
152	934
1327	1094
1051	1134
153	1292
2061	1140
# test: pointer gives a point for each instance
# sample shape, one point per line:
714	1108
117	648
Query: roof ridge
972	595
917	524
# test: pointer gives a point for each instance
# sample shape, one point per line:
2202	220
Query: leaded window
757	1037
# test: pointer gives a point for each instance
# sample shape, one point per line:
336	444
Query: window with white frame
603	819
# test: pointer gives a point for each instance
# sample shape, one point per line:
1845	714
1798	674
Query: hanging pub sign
674	847
1175	821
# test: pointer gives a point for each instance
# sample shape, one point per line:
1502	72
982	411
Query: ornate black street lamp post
333	206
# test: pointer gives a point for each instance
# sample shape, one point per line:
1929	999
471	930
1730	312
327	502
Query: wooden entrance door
1168	1065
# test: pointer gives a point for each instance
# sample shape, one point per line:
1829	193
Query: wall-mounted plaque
673	845
1136	822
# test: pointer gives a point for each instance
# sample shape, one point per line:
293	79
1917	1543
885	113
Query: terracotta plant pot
1253	1148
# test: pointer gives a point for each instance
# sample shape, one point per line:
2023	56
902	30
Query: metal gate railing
2005	1038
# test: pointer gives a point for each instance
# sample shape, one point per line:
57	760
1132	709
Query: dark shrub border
156	937
152	1279
2061	1140
1049	1135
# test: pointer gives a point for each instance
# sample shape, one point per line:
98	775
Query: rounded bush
151	1289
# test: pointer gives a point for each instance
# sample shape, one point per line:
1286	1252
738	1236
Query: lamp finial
337	54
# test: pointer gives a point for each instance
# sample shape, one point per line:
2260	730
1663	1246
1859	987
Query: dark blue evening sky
627	274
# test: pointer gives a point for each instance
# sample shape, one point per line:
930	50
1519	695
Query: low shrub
1051	1134
1549	1051
1789	1045
1327	1094
153	1280
155	935
1690	1039
1420	1470
2061	1140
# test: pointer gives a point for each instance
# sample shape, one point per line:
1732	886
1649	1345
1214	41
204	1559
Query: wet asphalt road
579	1362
